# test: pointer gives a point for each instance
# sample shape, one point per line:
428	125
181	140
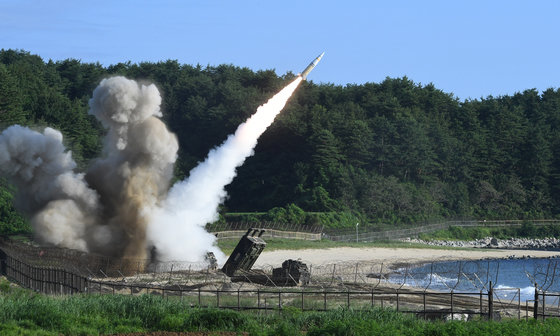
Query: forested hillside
391	152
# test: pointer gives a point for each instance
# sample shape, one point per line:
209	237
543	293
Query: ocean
512	279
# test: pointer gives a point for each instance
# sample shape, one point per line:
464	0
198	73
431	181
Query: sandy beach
391	256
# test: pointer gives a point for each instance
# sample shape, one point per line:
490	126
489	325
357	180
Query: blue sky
472	49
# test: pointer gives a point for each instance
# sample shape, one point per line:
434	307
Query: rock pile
491	242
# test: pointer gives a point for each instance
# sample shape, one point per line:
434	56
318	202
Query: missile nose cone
310	67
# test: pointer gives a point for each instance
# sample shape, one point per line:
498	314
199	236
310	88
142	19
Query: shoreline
392	257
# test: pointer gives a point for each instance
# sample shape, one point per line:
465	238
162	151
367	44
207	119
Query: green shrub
214	319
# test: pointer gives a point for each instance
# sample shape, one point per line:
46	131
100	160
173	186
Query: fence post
3	262
490	302
519	303
451	305
536	304
543	305
480	301
424	301
217	298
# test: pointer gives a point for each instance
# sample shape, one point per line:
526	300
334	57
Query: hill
391	152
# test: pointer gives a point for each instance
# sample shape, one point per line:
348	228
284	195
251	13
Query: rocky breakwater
491	242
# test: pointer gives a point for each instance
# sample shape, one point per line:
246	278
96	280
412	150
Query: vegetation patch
526	230
27	313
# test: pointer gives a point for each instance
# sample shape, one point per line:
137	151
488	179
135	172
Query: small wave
508	292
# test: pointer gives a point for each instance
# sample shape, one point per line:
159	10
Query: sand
392	256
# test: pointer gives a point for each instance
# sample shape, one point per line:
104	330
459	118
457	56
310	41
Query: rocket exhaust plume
194	202
122	206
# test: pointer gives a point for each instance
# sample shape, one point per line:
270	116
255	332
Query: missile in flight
310	67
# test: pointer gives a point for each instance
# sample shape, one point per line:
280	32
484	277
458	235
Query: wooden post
424	299
451	305
519	303
490	302
543	305
536	304
480	302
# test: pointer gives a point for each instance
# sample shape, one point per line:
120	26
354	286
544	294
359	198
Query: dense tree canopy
390	152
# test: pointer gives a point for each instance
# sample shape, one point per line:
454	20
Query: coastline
392	257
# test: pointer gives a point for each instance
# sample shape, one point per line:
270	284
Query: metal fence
546	304
271	233
426	304
357	234
356	286
368	235
48	280
244	226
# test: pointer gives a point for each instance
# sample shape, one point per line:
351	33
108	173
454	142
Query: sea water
511	279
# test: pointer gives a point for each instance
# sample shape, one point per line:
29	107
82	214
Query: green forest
392	153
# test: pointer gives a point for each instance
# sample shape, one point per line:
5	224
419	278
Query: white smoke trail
176	228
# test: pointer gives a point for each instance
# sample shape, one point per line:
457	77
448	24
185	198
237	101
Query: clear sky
471	48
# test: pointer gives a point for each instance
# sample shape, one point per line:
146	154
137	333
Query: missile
310	67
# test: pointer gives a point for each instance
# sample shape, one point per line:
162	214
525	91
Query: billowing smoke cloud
122	206
64	207
137	164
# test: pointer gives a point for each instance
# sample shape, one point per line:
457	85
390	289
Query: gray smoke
104	210
137	164
62	205
122	206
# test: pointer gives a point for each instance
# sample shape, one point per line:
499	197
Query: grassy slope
26	313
